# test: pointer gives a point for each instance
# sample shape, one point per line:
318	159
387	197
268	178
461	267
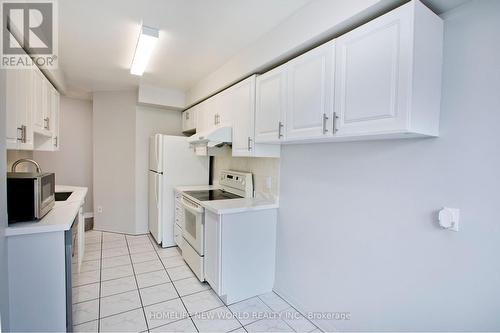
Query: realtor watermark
29	34
249	315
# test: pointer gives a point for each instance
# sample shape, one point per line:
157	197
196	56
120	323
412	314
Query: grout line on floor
146	241
175	288
291	306
121	312
138	291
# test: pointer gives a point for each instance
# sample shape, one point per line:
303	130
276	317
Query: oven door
46	194
193	231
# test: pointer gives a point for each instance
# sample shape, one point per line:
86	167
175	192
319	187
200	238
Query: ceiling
97	38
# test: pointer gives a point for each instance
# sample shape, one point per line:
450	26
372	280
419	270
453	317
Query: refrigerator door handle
156	190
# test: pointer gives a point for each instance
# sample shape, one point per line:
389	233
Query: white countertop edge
60	218
243	209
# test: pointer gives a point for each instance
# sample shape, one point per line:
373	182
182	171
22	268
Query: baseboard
88	215
117	232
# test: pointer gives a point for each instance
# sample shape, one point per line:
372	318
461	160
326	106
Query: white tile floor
129	284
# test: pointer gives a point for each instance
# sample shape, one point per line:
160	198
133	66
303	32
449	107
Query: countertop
60	218
232	206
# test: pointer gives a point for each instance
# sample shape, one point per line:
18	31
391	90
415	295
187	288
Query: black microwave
30	196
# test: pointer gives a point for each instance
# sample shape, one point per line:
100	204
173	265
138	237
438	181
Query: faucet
22	160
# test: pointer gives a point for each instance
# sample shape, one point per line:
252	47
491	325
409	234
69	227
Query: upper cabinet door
56	118
310	94
12	131
373	75
223	109
206	115
270	105
39	102
242	101
189	120
24	115
18	109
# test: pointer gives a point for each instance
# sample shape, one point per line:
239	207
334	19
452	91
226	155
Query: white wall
72	164
357	230
114	160
148	122
4	283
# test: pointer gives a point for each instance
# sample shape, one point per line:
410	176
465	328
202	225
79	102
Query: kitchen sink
62	196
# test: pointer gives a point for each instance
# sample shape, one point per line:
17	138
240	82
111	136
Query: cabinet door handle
325	119
280	126
46	120
187	115
20	138
335	117
215	119
23	134
56	141
249	144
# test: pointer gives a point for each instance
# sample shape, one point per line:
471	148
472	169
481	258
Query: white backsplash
262	168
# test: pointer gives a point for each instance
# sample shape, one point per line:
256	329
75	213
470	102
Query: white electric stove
232	185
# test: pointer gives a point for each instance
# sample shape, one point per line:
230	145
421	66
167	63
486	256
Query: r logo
31	24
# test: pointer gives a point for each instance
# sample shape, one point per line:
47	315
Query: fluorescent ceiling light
145	45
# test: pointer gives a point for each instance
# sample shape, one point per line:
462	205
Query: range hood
213	137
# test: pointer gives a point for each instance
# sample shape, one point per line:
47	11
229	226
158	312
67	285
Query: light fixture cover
145	45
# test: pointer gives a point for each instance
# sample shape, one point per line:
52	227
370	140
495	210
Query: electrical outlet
99	209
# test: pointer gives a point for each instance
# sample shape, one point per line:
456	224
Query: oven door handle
191	207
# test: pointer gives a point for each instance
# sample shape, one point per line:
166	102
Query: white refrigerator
171	163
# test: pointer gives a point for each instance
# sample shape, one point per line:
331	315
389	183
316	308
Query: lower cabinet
240	253
178	235
40	271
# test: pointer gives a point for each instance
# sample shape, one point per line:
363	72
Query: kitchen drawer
194	261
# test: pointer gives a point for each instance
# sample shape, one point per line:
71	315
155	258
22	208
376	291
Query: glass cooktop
209	195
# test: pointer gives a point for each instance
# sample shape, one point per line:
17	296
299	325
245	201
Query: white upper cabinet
206	115
32	111
242	100
295	100
55	118
24	114
224	110
189	120
12	132
50	141
309	109
388	75
18	106
380	80
40	104
270	105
